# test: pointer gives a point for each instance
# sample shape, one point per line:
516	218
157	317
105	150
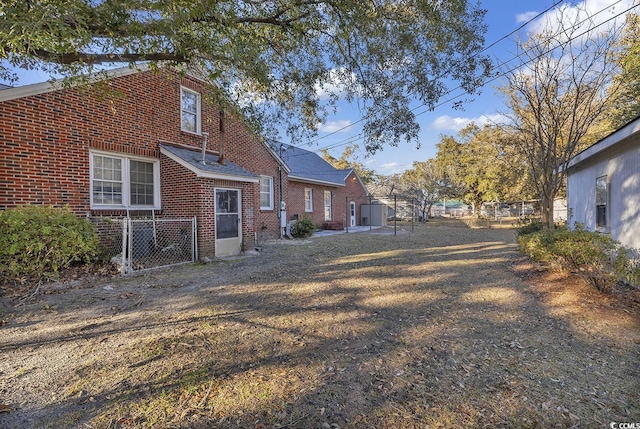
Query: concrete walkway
352	229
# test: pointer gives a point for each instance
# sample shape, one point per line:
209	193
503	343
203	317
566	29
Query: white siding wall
622	167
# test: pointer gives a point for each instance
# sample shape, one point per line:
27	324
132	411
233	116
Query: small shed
373	214
603	186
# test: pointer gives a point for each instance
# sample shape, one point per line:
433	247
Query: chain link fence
143	244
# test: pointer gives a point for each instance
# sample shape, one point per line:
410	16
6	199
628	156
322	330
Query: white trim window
602	196
327	205
266	193
190	111
308	200
122	181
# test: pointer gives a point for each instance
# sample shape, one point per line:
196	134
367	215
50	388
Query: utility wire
445	73
519	56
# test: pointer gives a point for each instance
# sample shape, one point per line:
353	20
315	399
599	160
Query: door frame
352	213
233	245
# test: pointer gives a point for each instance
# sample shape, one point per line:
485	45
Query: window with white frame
602	196
119	181
308	200
327	205
190	110
266	193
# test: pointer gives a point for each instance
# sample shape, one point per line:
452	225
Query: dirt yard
444	326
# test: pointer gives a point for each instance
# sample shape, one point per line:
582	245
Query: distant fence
143	244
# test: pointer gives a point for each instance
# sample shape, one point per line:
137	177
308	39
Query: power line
441	75
519	56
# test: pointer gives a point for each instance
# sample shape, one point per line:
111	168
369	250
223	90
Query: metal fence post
194	239
126	246
395	218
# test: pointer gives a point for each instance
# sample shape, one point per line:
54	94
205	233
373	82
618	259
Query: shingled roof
192	159
307	166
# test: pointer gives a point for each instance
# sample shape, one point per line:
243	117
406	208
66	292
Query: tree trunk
546	206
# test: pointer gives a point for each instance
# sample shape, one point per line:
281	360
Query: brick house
330	197
140	149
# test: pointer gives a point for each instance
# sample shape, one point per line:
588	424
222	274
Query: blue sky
502	18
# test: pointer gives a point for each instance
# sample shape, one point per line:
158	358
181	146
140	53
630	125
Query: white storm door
352	212
228	222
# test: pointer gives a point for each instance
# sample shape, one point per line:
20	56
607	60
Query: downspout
281	194
221	149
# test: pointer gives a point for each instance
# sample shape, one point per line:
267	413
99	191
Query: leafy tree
367	175
286	59
424	183
556	98
626	106
477	166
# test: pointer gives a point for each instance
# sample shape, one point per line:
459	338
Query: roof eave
612	139
49	86
208	174
314	181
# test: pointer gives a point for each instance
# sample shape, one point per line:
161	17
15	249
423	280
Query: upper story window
119	181
266	193
308	200
602	196
190	110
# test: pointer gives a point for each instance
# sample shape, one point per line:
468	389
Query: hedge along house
603	186
330	197
153	146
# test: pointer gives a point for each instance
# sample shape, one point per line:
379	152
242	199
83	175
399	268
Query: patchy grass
443	326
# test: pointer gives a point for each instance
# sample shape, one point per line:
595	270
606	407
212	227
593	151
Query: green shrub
596	257
38	241
534	225
632	274
304	227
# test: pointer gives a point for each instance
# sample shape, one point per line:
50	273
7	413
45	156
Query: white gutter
607	142
318	182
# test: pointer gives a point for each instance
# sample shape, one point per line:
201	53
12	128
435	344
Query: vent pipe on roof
204	148
221	152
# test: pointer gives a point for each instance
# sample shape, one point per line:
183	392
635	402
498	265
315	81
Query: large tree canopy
291	58
557	97
625	103
478	166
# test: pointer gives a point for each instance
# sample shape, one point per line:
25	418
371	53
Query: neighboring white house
603	186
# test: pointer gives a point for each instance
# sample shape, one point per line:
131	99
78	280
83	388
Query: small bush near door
303	228
39	241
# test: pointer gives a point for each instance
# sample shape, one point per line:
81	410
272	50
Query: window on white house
124	182
266	193
308	200
327	205
602	196
190	110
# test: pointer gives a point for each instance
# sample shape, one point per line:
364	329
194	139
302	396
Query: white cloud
582	16
337	82
526	16
335	126
390	165
446	122
390	168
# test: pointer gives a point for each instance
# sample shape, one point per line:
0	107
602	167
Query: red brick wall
341	197
45	141
295	202
354	191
